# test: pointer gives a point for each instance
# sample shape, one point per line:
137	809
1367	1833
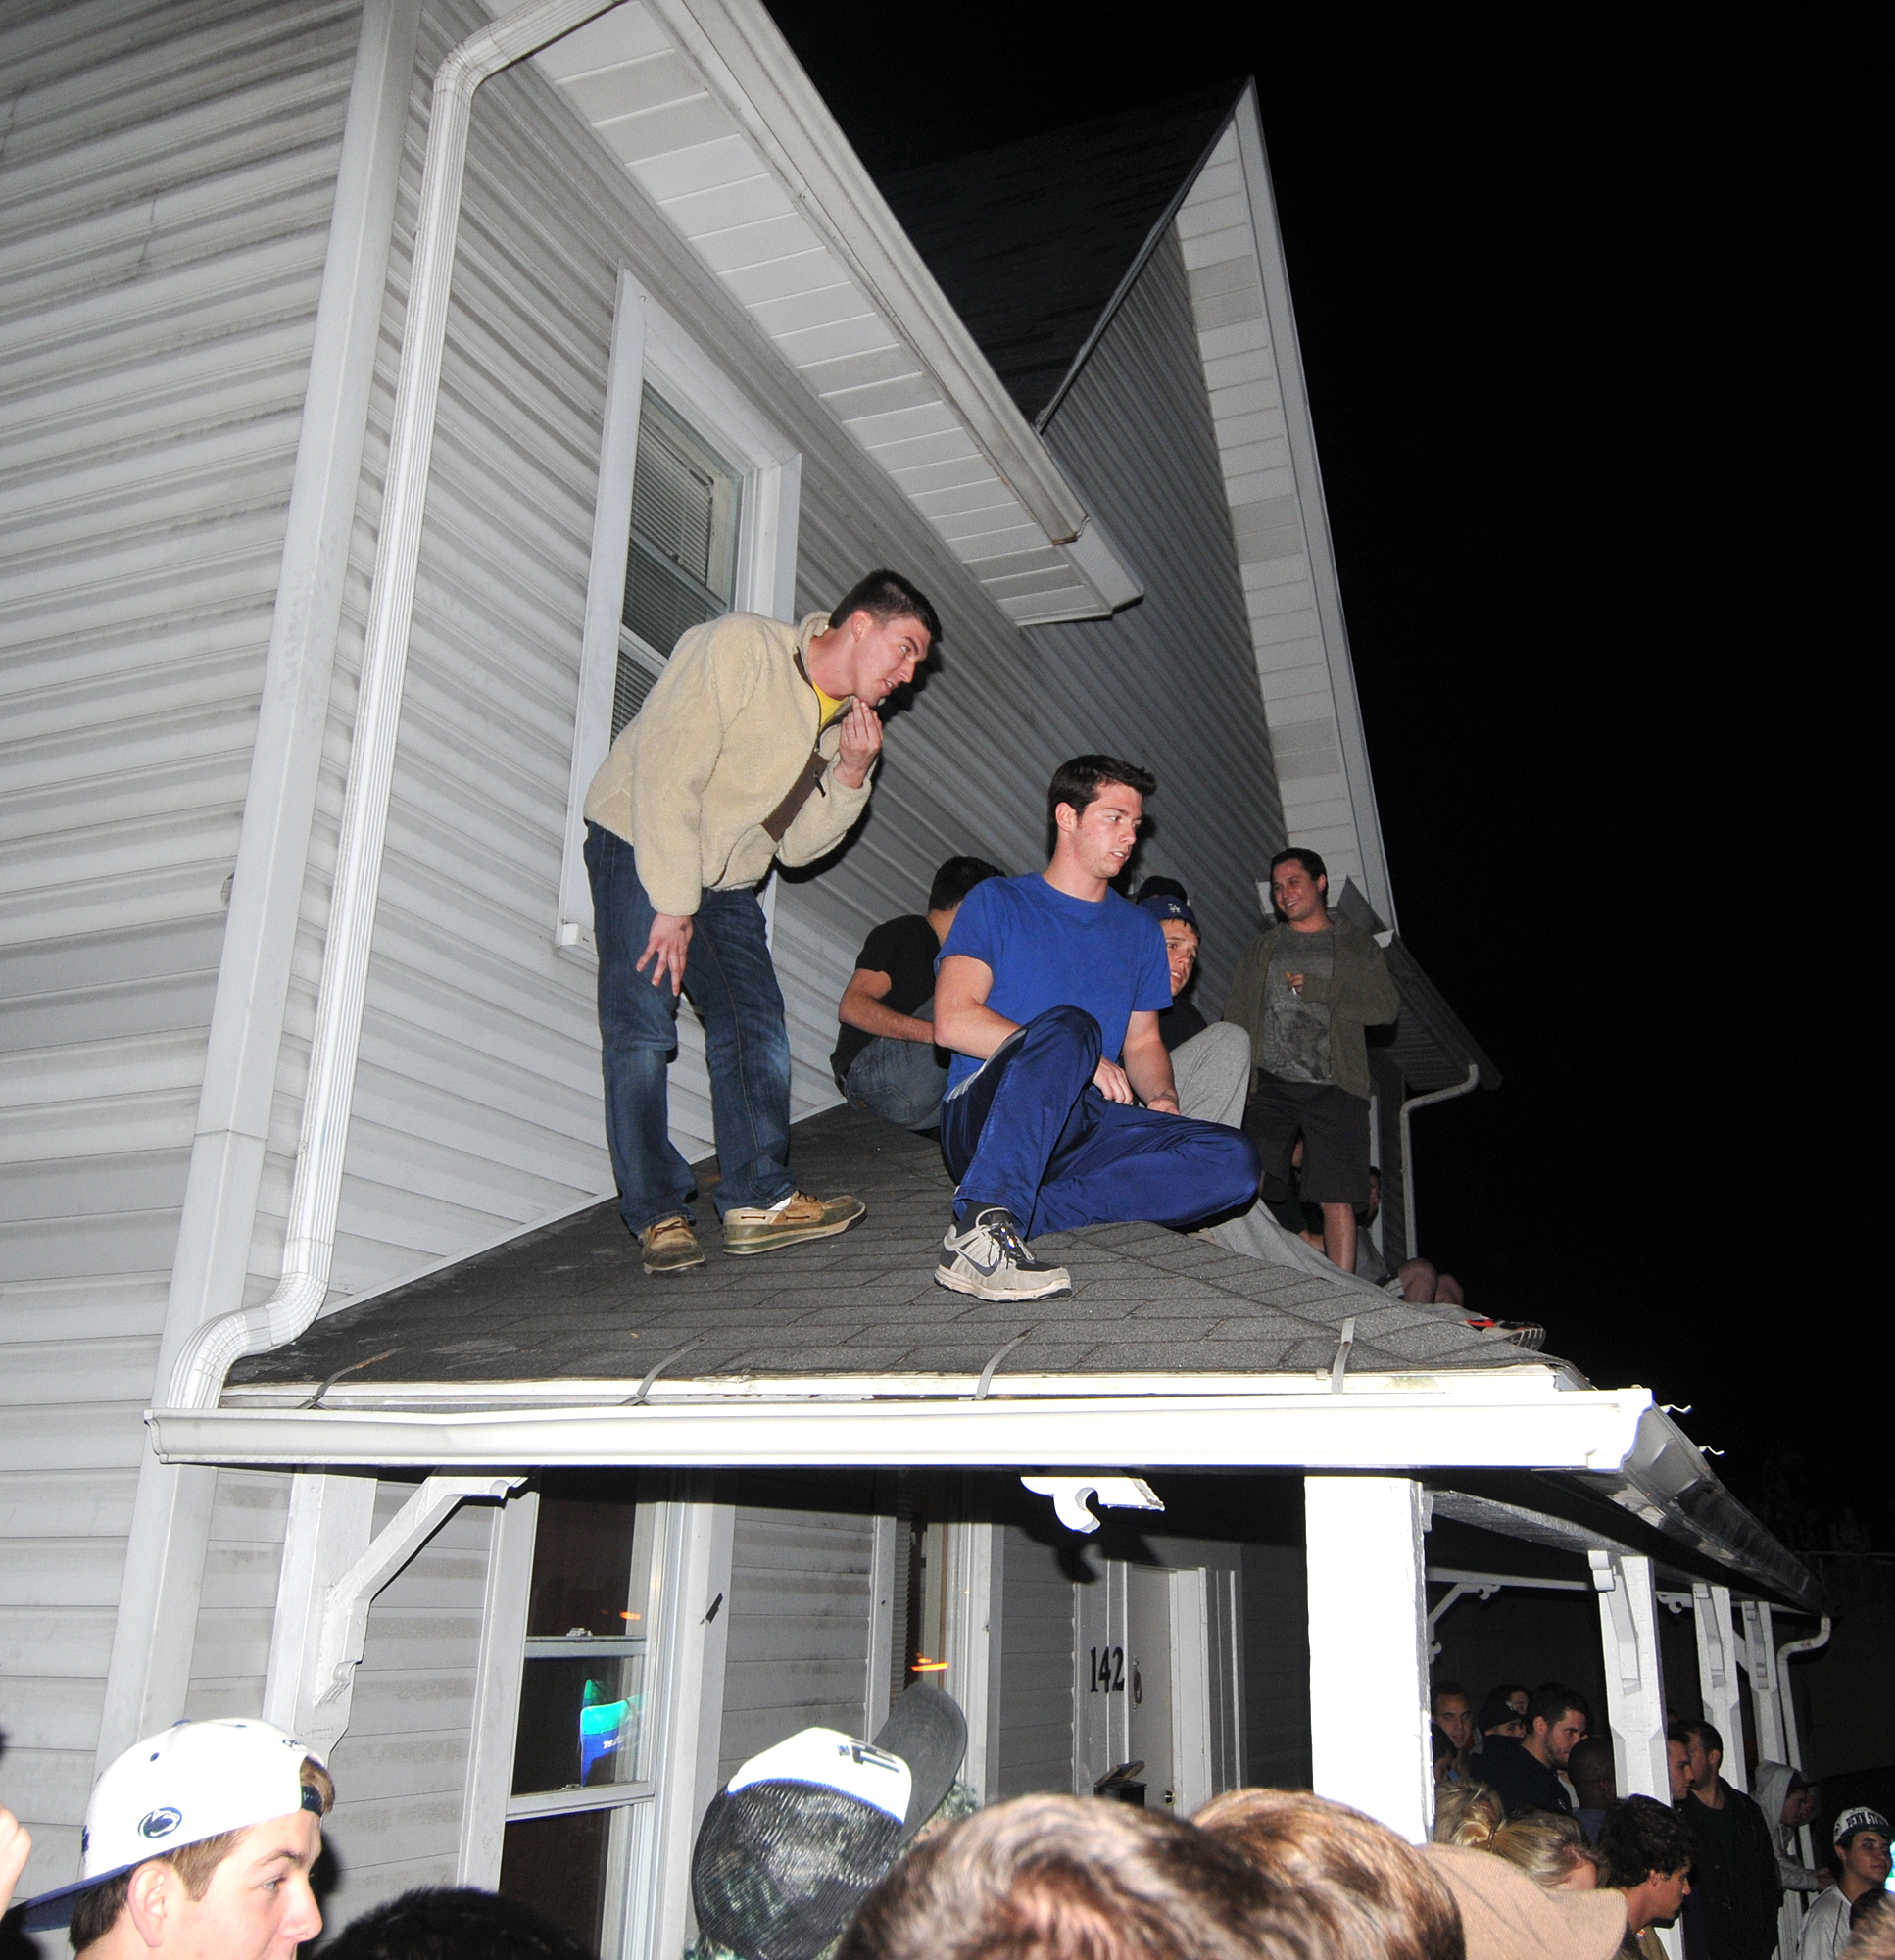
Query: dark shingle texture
570	1301
1030	241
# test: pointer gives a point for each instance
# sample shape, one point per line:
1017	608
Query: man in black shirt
1733	1863
1526	1775
886	1059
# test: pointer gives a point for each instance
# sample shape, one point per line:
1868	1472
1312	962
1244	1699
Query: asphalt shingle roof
570	1301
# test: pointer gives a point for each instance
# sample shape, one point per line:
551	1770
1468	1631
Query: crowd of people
1042	1026
201	1843
1525	1779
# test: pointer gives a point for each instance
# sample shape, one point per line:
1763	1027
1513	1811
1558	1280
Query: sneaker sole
792	1236
955	1283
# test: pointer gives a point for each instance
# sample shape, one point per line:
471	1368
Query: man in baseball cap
1861	1840
198	1845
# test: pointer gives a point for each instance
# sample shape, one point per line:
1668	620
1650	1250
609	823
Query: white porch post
1368	1647
972	1652
1766	1699
1635	1685
1718	1674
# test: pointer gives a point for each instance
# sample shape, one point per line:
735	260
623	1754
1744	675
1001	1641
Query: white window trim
648	345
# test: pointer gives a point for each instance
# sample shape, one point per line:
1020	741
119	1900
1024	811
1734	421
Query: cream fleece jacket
718	744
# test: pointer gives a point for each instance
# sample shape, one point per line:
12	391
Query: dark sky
1580	300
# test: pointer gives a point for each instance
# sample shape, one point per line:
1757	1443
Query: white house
384	386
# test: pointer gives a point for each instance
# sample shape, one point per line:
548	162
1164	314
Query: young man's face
1864	1858
1666	1894
1704	1765
1558	1737
883	658
1679	1757
257	1905
1103	833
1799	1807
1456	1718
1296	895
1181	952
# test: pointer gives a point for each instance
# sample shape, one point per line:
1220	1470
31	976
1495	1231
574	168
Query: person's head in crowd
1860	1837
1556	1719
1872	1936
1514	1694
1593	1773
1870	1907
1704	1751
1505	1916
1370	1892
1468	1814
1442	1748
952	883
1550	1848
1366	1215
198	1845
1453	1709
888	629
1499	1717
1647	1851
1799	1802
1096	804
435	1923
1178	924
1056	1878
1678	1763
1300	885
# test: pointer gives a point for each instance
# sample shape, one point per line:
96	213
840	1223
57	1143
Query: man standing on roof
1048	992
1304	991
756	745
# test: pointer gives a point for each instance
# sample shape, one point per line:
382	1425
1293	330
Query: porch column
1367	1649
1766	1701
1634	1679
1718	1674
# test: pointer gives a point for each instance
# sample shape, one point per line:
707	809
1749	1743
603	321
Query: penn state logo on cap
156	1824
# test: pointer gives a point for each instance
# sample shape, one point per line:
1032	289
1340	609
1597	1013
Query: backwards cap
195	1780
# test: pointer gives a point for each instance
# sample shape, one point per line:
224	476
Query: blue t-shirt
1047	949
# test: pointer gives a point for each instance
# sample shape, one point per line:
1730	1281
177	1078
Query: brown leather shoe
752	1228
670	1245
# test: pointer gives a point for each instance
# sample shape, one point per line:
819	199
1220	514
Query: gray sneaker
991	1259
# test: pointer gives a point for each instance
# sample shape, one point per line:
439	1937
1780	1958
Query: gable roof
1034	242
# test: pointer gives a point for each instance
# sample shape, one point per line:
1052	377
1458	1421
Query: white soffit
709	113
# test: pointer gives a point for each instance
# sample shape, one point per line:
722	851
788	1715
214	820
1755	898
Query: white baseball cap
194	1781
1862	1818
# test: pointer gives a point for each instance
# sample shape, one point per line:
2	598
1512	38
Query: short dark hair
1066	1875
436	1922
1551	1699
1688	1729
956	878
1302	854
1079	781
885	596
1639	1835
1447	1687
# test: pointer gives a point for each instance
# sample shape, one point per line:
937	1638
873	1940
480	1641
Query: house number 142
1108	1670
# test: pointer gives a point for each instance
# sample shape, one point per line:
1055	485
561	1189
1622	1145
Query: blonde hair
1547	1846
1467	1813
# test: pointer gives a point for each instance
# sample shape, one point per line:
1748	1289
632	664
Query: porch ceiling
705	108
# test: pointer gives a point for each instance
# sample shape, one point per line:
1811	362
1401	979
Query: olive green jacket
1360	993
717	746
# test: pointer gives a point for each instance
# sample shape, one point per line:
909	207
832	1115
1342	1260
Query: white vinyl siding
167	180
237	1607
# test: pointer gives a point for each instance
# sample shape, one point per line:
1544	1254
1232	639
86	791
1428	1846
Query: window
696	515
681	564
582	1747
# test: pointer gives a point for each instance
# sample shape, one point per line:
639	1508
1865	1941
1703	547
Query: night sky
1580	300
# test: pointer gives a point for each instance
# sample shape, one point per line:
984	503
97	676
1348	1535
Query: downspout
309	1245
1413	1104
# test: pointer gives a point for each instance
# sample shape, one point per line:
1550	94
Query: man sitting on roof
755	746
1048	992
1305	990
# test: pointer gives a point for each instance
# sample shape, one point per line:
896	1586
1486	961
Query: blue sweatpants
1030	1132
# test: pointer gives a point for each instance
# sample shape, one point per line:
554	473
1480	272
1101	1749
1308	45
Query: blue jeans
1032	1132
898	1079
732	984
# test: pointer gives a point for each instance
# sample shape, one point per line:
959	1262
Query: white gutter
1408	1109
309	1245
738	48
1534	1425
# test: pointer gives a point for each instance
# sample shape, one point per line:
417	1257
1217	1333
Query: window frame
649	346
